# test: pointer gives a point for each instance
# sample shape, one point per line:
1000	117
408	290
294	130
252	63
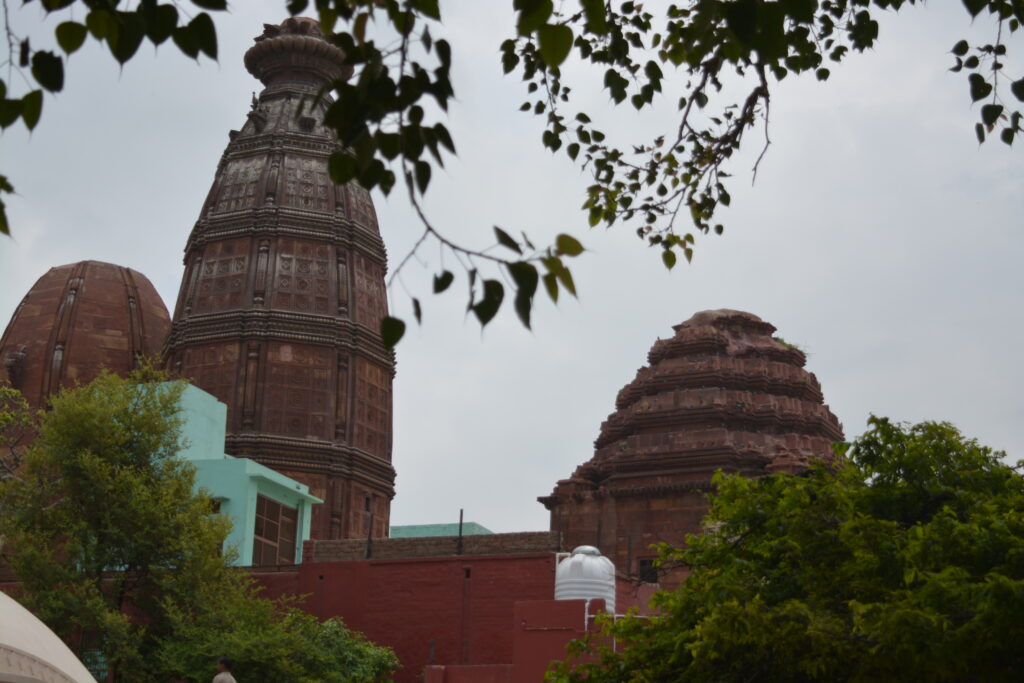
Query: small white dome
586	575
31	653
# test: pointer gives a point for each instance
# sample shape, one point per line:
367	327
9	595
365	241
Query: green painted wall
235	482
430	530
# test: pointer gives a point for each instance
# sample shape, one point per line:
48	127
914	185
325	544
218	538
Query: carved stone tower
279	309
721	393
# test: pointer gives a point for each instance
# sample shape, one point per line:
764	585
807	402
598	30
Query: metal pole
458	548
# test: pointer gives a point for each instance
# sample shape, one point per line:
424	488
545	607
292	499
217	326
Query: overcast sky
879	237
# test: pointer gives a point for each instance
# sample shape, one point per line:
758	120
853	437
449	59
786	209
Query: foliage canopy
388	115
118	555
904	563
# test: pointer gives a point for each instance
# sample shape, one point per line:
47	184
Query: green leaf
568	245
48	70
70	35
979	131
218	5
205	33
488	306
342	167
391	331
160	21
417	310
444	137
443	281
555	42
525	276
125	35
186	41
532	14
98	21
5	186
551	285
980	88
741	17
422	169
428	8
32	108
1017	88
505	240
10	111
990	113
597	22
975	6
960	49
1007	135
564	276
668	257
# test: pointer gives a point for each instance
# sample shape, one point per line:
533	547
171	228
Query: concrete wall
235	482
203	425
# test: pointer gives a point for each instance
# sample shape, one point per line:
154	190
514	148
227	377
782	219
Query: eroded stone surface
721	393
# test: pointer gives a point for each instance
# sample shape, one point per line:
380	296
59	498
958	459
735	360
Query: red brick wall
439	610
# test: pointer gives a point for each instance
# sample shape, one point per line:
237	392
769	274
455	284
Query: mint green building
431	530
270	513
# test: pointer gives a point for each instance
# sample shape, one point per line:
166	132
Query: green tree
903	563
116	552
387	116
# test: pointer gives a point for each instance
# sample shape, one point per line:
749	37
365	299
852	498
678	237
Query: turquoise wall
235	482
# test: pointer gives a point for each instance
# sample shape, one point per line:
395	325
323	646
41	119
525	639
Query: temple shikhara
289	417
721	394
280	305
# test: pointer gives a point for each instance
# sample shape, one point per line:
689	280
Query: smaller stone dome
76	320
722	393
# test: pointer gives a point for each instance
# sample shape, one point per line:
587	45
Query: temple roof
77	319
721	393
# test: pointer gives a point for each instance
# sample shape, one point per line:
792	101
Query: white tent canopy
31	653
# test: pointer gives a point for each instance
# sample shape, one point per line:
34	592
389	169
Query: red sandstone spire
721	393
280	306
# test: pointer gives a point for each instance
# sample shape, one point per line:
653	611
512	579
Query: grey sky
879	237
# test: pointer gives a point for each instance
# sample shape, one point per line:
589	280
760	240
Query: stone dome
76	320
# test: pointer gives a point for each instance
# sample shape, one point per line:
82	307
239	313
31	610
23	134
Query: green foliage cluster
116	552
385	116
904	562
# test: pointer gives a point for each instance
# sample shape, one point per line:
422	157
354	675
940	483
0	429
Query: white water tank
586	574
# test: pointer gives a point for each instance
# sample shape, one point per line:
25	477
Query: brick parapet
436	546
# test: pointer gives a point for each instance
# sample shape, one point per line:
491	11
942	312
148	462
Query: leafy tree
116	552
903	563
387	115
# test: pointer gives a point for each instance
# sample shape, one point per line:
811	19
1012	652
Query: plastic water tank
586	575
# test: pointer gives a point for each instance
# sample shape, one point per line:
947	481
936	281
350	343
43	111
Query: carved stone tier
280	305
76	320
721	394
